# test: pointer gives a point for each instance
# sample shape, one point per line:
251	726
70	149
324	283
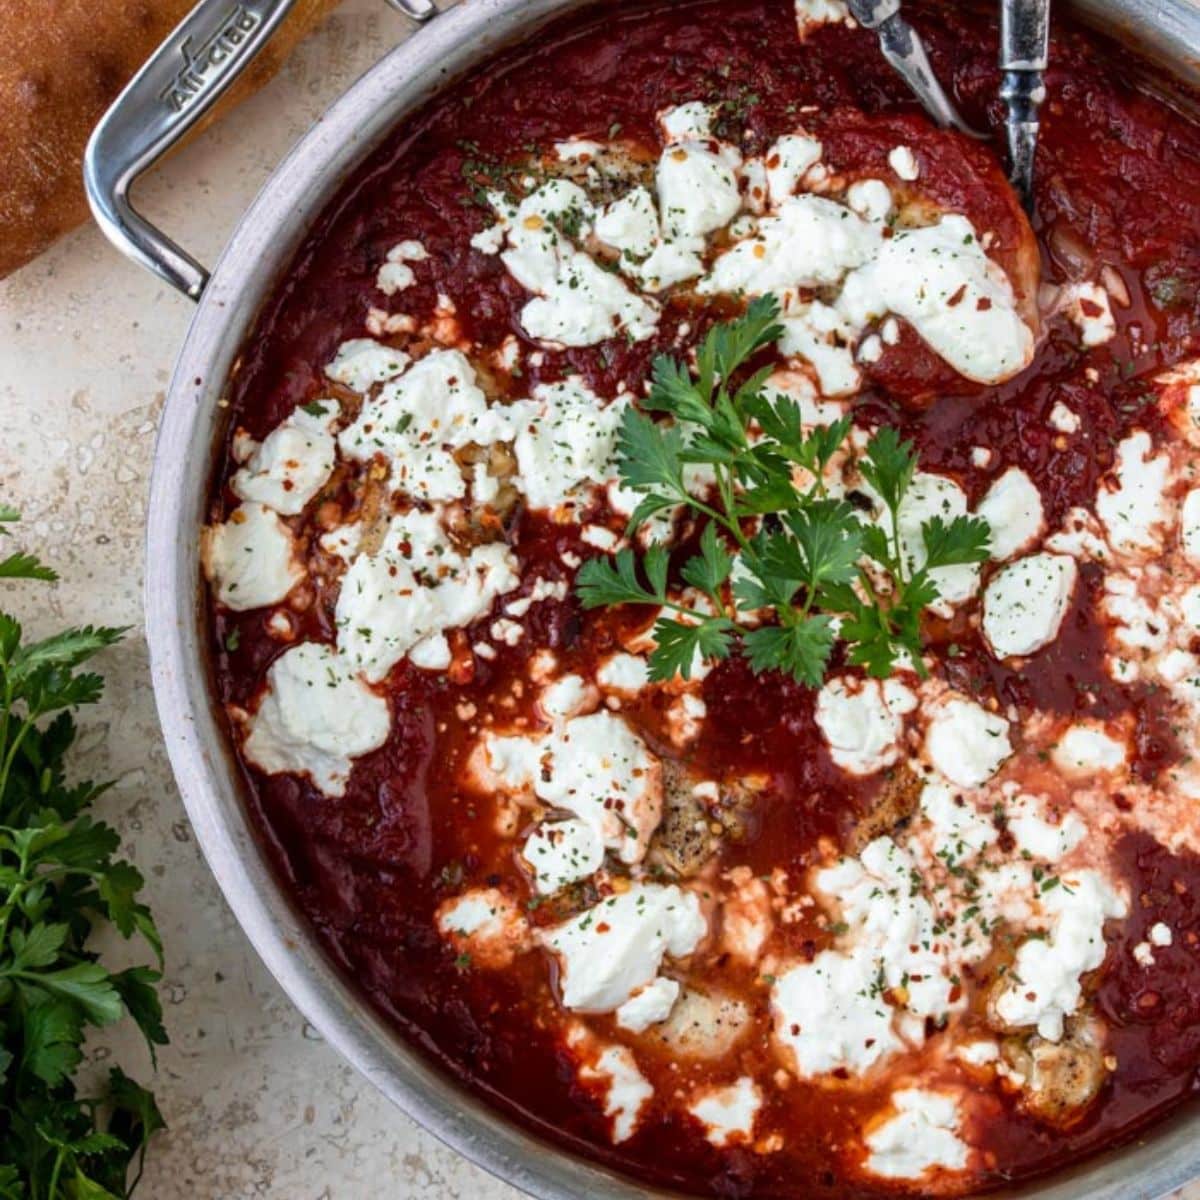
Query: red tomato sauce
1119	175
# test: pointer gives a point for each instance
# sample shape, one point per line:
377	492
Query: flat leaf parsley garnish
60	882
775	542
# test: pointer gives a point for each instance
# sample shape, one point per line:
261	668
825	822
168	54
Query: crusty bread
61	65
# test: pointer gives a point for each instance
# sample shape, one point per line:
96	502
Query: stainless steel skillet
200	58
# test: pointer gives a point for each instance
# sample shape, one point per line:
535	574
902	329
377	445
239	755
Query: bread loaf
61	65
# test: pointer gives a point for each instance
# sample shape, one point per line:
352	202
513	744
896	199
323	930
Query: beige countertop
257	1105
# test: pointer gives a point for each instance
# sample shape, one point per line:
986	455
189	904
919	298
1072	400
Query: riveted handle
1024	54
183	79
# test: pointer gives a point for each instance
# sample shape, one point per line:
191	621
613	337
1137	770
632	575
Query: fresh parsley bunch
59	882
806	557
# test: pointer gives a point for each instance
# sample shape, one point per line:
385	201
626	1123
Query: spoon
902	47
1024	51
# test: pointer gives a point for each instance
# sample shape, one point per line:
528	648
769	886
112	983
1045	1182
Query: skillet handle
182	80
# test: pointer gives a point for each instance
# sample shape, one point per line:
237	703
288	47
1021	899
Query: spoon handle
1024	49
901	45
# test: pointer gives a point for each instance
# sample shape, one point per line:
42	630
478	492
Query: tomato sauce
1118	183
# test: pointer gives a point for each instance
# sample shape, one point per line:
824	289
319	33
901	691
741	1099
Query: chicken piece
897	799
684	841
702	1026
1060	1079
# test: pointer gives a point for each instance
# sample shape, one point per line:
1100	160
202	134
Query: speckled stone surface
258	1106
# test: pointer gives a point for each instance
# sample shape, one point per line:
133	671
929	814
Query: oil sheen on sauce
1118	181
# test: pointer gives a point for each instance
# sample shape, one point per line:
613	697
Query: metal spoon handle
901	45
1024	52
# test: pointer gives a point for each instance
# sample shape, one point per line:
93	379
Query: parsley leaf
889	466
962	540
786	568
709	570
801	649
60	881
603	581
678	645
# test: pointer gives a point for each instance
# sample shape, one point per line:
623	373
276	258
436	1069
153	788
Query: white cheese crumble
1038	837
316	717
1025	602
685	718
395	275
1087	306
810	14
616	947
788	162
293	461
626	1088
862	720
594	766
485	924
808	242
565	441
361	363
1012	508
418	420
562	852
577	302
1085	749
829	1016
939	279
1158	935
627	673
649	1005
250	559
960	830
830	1013
904	162
870	349
416	587
697	187
1135	509
965	742
870	198
631	226
921	1136
1044	983
692	120
978	1053
343	541
820	334
728	1113
1064	419
568	696
1189	526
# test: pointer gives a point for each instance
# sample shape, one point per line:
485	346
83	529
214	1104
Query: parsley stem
4	716
11	756
52	1189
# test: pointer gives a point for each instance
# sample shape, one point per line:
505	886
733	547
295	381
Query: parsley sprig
775	543
59	882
